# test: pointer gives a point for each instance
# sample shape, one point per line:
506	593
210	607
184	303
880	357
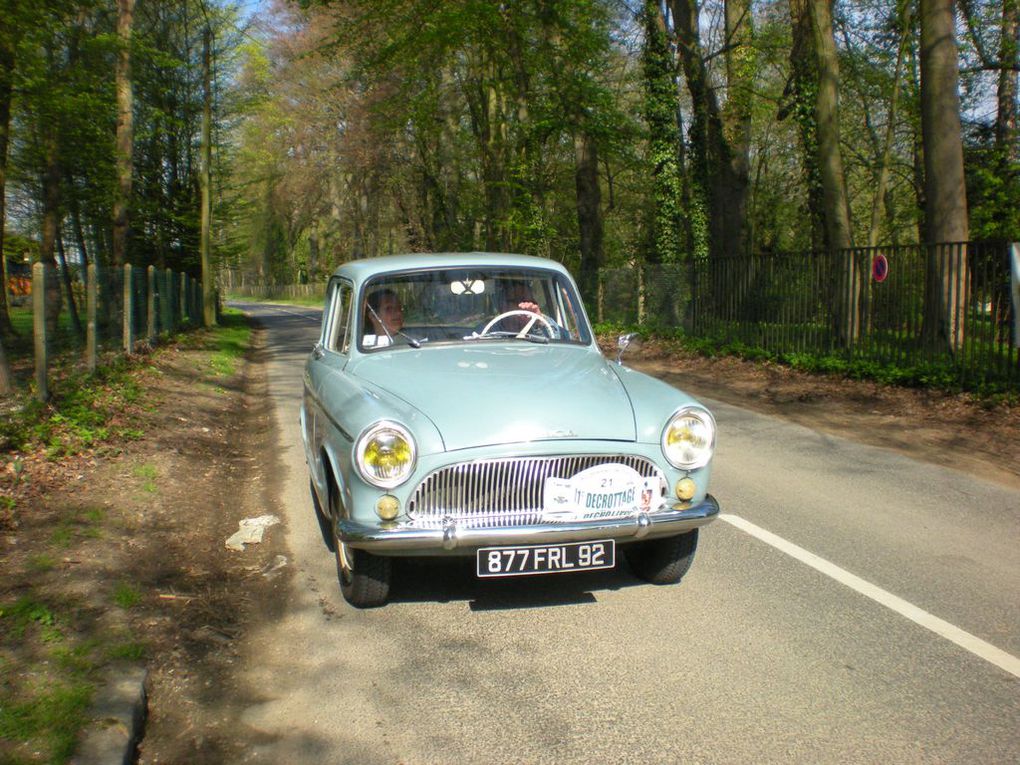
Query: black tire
663	561
364	578
325	527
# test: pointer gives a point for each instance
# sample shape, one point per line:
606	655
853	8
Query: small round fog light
685	489
388	507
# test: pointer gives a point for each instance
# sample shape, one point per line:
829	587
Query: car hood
485	395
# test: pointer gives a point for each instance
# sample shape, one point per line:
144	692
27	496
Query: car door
325	368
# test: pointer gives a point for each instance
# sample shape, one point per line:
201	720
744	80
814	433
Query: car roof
360	270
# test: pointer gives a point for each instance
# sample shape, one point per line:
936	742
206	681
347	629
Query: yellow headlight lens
385	455
688	440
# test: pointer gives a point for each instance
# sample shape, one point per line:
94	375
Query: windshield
472	305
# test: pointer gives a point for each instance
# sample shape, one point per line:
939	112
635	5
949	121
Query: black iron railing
945	310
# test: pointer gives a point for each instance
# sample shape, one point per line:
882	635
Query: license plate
546	559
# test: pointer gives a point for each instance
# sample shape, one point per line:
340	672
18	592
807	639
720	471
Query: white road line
965	640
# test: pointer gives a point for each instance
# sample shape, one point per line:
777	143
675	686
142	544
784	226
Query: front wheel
663	561
364	578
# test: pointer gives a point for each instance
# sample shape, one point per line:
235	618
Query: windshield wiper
413	342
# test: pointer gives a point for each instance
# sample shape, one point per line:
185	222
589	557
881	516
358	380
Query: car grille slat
503	492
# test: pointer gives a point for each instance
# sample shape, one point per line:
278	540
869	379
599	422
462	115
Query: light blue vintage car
458	404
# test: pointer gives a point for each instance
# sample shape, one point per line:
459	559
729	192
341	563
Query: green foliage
232	339
26	611
44	717
148	474
126	651
80	415
49	719
126	596
937	376
993	193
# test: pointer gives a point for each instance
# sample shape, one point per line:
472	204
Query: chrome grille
503	492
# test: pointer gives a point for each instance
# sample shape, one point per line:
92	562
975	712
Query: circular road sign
879	268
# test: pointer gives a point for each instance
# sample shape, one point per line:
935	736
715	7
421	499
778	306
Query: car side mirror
623	342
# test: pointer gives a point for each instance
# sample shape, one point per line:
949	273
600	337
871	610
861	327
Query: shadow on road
444	580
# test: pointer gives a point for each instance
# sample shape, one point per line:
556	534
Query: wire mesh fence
945	311
81	316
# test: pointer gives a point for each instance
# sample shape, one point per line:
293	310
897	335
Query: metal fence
946	310
75	316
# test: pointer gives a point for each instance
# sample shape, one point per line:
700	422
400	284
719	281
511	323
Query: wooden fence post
182	297
42	391
91	341
129	310
151	302
1014	269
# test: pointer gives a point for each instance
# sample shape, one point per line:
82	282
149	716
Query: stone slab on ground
117	719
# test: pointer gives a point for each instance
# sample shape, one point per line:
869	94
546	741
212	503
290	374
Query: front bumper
453	539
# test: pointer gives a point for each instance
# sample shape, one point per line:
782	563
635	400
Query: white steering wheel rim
533	317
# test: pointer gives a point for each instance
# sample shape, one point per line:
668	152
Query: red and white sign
879	268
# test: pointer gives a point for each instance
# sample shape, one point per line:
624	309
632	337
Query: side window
339	320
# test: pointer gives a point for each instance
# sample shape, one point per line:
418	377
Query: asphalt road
852	606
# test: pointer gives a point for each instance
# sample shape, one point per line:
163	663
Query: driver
516	296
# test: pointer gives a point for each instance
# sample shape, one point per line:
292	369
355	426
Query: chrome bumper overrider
400	539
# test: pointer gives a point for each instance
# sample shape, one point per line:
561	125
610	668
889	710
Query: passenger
384	315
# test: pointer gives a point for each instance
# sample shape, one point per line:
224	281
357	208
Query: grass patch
127	651
231	341
62	535
41	563
148	474
126	596
28	612
86	524
82	412
48	719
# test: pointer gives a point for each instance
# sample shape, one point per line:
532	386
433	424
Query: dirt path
122	552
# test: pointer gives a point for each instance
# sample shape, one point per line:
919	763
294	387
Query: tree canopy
595	132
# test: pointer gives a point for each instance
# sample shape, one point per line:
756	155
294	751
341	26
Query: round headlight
688	439
385	455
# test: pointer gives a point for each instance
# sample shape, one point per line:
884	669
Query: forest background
280	139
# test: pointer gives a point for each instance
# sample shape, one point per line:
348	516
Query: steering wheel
532	316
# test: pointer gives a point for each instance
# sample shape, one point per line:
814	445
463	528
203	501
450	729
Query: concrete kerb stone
117	719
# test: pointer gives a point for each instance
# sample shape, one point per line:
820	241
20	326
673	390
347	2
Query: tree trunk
879	198
6	386
50	223
65	273
589	213
205	184
666	240
830	164
802	92
6	94
736	124
719	167
313	252
123	147
945	189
